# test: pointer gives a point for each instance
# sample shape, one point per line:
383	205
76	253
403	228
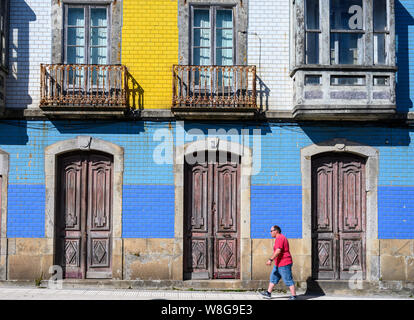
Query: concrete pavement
35	293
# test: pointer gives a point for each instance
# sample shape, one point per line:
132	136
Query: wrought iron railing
83	85
214	86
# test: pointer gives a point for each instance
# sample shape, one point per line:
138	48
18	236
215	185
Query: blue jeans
284	272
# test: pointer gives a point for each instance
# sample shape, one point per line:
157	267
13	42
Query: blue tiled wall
281	205
148	191
404	29
26	211
396	212
148	211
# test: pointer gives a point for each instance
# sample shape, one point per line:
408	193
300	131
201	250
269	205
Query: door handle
336	236
227	235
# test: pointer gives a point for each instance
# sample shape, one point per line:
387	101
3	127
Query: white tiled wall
26	53
268	49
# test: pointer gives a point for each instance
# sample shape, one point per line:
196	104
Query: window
86	34
4	20
381	31
348	80
212	36
347	30
313	80
312	31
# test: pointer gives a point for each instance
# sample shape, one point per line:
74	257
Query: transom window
212	36
86	35
346	27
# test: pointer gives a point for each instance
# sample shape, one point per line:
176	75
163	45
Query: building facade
160	140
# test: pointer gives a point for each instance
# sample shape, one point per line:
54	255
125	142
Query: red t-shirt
284	258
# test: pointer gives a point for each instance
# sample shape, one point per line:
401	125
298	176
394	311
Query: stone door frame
213	145
371	184
86	143
4	173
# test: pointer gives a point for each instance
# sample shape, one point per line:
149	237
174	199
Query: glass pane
380	15
99	76
379	47
348	80
76	36
202	18
98	36
346	48
312	14
381	80
98	17
346	15
98	55
76	76
224	19
224	38
76	55
312	47
202	37
225	78
224	57
201	56
76	17
312	80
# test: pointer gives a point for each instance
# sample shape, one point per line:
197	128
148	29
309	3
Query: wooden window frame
212	12
87	9
367	32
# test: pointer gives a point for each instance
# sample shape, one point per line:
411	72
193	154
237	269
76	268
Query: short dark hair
277	228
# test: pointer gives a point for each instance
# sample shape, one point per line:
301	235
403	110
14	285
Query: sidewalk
33	293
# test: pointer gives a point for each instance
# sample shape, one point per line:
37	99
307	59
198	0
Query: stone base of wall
157	259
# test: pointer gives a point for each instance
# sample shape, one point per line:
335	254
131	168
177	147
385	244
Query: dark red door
338	216
211	244
83	220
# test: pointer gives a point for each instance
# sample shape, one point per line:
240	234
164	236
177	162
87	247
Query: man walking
283	264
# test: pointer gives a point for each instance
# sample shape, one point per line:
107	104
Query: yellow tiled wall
149	50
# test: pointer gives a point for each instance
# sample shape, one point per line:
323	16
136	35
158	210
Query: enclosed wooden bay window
343	58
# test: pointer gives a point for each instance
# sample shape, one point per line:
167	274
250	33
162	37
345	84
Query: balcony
214	91
76	90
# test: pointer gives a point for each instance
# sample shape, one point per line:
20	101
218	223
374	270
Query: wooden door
212	219
83	219
338	216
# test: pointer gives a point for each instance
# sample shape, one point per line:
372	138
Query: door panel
83	226
226	195
338	216
197	239
211	219
99	215
324	179
69	220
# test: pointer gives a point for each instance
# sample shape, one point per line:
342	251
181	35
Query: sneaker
266	294
293	298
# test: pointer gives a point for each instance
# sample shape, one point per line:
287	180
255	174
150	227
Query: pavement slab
29	293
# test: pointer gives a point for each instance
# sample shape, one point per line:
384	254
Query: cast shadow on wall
17	94
376	135
101	127
403	22
13	132
262	95
135	93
